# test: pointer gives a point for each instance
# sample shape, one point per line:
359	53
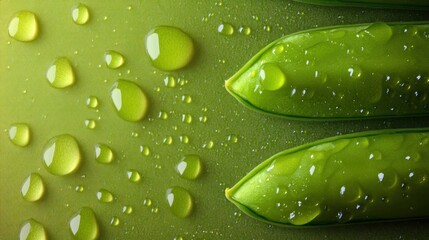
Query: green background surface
25	96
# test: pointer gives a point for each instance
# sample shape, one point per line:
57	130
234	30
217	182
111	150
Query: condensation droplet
61	155
103	154
129	100
60	73
33	188
80	14
225	29
113	59
32	230
83	224
180	201
134	176
24	26
104	196
272	77
92	102
189	167
19	134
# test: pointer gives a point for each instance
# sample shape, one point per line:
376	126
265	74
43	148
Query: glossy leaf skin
399	4
341	72
370	176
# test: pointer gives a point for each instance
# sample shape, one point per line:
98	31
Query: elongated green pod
370	176
401	4
341	72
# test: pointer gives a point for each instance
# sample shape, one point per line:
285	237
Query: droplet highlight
272	77
61	155
129	100
105	196
134	176
169	48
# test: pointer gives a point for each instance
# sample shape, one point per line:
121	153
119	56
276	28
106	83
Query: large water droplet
285	165
272	77
32	230
60	74
24	26
180	201
189	166
129	100
33	188
104	196
80	13
380	32
169	48
19	134
61	155
113	59
103	154
83	224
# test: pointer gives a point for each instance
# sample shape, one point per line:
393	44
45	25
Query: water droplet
134	176
90	123
32	230
381	32
19	134
92	102
305	214
115	221
285	165
186	99
186	118
278	49
203	119
232	138
376	155
351	192
127	209
388	178
244	30
61	155
79	188
60	74
113	59
189	167
209	145
184	139
103	154
170	81
24	26
418	176
225	29
33	188
105	196
355	72
272	77
180	201
83	224
169	48
167	140
129	100
145	150
80	14
163	115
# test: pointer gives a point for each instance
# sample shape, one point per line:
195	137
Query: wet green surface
188	112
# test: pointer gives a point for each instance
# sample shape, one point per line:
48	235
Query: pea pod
371	176
341	72
405	4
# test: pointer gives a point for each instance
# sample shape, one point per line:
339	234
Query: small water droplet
189	167
90	123
92	102
186	118
167	140
127	209
134	176
103	154
19	134
115	221
272	77
60	74
80	14
232	138
355	72
163	115
278	49
129	100
169	48
145	150
32	230
186	99
114	59
24	26
83	224
225	29
104	196
244	30
33	188
180	201
209	145
147	202
79	188
170	81
61	155
184	139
